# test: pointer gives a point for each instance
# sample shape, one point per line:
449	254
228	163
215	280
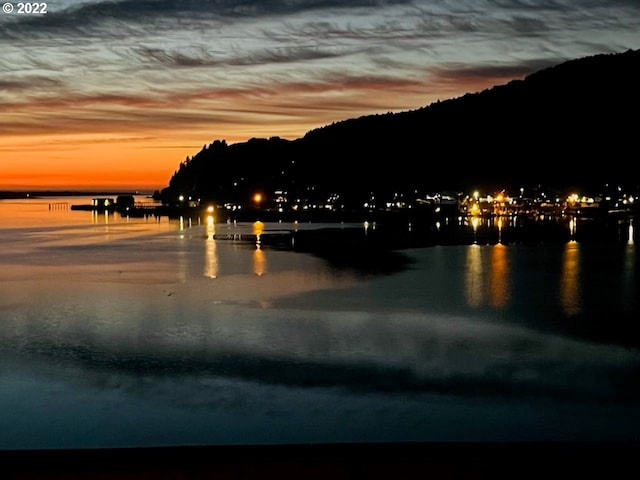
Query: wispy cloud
25	84
203	58
499	72
240	68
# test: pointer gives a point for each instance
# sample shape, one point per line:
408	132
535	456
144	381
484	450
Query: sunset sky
115	94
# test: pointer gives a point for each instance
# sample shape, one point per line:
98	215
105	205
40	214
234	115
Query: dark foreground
335	461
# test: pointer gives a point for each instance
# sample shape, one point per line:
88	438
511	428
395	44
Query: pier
138	209
59	206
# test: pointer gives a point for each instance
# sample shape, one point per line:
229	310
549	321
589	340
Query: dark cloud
331	33
560	4
513	70
127	9
27	84
103	17
174	58
289	54
528	25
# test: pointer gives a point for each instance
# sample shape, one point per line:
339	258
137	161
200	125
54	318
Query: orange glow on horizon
88	162
52	145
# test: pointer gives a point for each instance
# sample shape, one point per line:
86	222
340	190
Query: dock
139	209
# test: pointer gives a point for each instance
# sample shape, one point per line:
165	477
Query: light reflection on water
570	279
494	229
137	335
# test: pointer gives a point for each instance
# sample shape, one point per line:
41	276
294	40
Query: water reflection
258	230
381	347
499	276
487	283
629	281
259	262
548	228
100	218
569	279
473	286
211	253
572	227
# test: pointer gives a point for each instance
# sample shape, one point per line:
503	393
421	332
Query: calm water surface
144	332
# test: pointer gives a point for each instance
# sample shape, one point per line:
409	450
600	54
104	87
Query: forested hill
574	124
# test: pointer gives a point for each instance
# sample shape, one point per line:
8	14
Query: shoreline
17	194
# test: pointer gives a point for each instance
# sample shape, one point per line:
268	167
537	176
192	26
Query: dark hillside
573	124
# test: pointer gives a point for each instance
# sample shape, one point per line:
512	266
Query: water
119	332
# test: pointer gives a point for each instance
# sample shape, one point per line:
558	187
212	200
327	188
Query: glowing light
257	198
210	209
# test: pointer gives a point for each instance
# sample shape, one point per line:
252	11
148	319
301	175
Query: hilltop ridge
569	125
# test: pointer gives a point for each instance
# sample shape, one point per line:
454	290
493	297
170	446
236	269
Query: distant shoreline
14	194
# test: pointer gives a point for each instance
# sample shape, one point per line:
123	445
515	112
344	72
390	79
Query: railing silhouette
59	206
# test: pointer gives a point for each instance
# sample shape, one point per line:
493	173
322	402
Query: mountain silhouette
573	125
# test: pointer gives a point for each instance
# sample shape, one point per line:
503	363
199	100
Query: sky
115	94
